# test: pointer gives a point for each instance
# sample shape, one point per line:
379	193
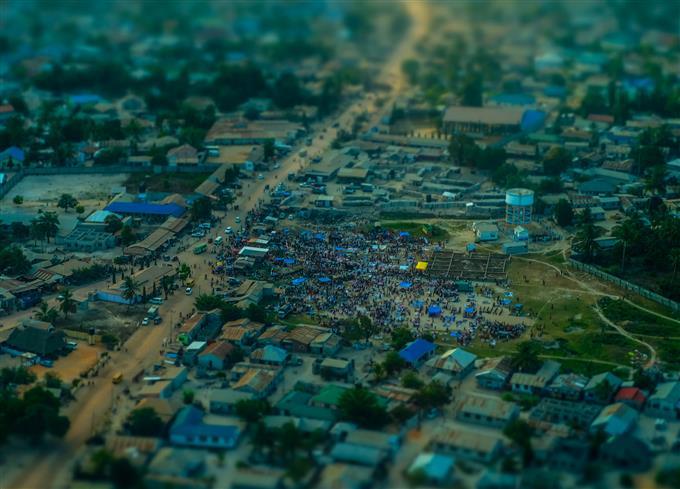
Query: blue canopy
505	302
339	248
403	267
518	306
418	303
299	281
404	234
434	310
508	294
324	280
405	285
455	334
469	310
471	247
278	258
289	261
320	236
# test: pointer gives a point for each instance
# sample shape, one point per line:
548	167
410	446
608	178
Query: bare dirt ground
48	188
71	366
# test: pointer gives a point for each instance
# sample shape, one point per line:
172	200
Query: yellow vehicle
190	282
117	378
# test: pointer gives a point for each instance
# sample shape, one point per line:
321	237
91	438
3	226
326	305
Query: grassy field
415	229
181	183
637	321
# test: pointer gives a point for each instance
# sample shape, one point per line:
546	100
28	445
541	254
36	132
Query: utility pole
623	256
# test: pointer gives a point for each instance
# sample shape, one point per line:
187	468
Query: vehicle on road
145	321
218	240
277	166
197	234
157	301
238	219
229	230
200	248
188	291
71	345
157	320
117	378
260	176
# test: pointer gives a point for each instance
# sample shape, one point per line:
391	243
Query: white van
218	240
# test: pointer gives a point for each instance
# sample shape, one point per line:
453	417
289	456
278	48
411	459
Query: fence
646	293
102	170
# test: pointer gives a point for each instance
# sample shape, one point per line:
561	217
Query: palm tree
585	241
46	313
630	234
46	225
130	290
66	302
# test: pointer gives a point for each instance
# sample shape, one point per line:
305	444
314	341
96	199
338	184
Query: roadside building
417	351
665	402
177	468
182	155
483	120
550	412
615	419
535	383
485	231
631	396
334	368
437	469
193	428
37	337
270	355
602	387
486	411
567	386
346	476
495	373
466	443
456	362
216	355
223	401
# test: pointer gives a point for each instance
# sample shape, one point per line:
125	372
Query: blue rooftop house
146	210
85	99
416	352
13	154
192	429
555	91
532	120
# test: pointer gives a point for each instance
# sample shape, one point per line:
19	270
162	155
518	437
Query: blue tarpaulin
320	236
288	261
455	334
298	281
434	310
339	248
505	302
403	267
278	258
471	247
418	304
404	234
518	306
405	285
508	294
469	310
324	280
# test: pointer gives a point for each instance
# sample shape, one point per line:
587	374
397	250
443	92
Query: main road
54	464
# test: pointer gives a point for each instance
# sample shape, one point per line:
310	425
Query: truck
152	312
200	248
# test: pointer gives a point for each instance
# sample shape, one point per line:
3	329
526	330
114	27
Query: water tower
518	205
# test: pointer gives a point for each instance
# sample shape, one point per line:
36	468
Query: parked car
229	230
156	300
145	321
238	219
260	176
188	291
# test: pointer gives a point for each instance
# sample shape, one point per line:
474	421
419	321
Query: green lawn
637	321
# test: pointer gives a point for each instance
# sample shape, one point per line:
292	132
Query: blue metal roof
514	99
14	152
416	350
189	422
532	120
170	209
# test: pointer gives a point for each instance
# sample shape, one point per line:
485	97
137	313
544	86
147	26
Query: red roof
220	349
7	108
601	118
631	394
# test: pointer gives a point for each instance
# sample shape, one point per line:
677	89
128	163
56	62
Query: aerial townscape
339	244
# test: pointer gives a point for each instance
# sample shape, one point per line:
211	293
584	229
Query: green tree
393	363
127	235
167	283
130	290
46	313
47	225
411	380
268	149
67	201
361	406
287	91
411	68
80	209
145	422
252	410
526	357
463	150
201	209
113	224
13	261
520	433
556	161
18	199
188	396
124	475
401	337
207	302
564	213
66	302
471	90
655	182
433	395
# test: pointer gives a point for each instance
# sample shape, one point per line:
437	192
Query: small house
535	383
567	386
495	373
417	351
194	429
456	362
665	402
631	396
601	387
485	231
487	411
436	468
216	355
615	419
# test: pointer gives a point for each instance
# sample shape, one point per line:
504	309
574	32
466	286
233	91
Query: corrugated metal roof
170	209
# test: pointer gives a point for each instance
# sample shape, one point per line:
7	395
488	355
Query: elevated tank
520	197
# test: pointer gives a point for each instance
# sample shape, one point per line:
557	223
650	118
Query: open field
48	188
